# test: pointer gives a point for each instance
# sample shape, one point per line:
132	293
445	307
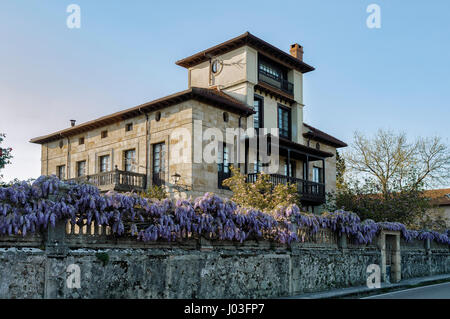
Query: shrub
28	208
154	192
261	194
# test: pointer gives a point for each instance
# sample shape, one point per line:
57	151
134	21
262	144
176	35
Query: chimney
72	122
296	51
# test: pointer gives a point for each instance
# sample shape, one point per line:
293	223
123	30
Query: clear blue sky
396	77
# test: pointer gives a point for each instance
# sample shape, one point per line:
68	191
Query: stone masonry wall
197	269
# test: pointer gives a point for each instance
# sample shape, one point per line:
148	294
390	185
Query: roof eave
237	42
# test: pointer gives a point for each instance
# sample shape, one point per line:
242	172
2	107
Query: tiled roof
208	96
252	41
440	197
321	136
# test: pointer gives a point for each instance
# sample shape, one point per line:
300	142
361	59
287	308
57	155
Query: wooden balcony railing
308	190
116	180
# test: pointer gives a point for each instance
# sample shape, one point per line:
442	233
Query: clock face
215	66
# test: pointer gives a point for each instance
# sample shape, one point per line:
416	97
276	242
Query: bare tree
395	163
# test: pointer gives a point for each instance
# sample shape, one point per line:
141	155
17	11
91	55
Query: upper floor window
284	121
104	134
129	160
317	174
270	70
129	127
104	163
275	75
81	168
61	172
81	141
258	116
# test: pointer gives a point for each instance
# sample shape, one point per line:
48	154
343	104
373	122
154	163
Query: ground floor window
61	172
81	168
159	155
317	174
291	171
130	160
104	163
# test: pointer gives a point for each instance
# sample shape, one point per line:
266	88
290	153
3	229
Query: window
104	163
226	116
224	160
129	127
157	116
104	134
159	154
129	160
81	141
284	121
258	116
81	168
257	167
291	172
269	70
223	166
317	174
61	172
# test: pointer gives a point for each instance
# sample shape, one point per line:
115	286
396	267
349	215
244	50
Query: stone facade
236	74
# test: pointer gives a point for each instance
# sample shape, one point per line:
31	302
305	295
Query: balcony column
323	175
323	171
307	168
288	164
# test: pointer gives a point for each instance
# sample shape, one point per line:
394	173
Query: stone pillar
396	265
428	253
382	248
342	241
396	270
55	269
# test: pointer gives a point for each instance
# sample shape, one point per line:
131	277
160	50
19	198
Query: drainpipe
147	159
239	144
68	158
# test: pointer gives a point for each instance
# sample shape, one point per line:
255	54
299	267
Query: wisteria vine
29	208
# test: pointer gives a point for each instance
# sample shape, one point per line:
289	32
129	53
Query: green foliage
154	192
405	205
340	171
103	257
5	154
262	194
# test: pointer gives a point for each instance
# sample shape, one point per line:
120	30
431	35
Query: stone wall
123	268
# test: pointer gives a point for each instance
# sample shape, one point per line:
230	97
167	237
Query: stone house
239	84
440	200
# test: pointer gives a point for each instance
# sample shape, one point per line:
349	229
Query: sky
393	77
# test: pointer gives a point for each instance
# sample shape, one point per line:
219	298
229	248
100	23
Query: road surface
438	291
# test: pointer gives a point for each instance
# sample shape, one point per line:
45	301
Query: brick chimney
296	51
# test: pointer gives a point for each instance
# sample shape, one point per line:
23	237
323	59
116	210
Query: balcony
276	82
117	180
310	192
